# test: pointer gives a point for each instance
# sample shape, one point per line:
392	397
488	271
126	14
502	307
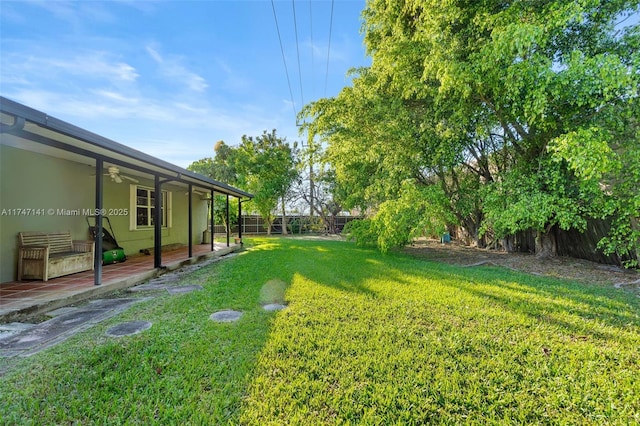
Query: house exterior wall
33	181
44	193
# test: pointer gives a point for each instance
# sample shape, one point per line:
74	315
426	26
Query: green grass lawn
367	339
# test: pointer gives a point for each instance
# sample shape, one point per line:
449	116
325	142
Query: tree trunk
508	243
635	226
481	241
546	245
472	230
269	223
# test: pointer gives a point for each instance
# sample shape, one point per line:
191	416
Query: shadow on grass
571	306
328	263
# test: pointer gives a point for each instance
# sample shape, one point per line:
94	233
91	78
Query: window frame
133	204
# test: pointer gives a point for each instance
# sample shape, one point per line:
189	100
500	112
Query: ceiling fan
114	174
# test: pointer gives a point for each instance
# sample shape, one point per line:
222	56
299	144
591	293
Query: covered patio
23	298
71	174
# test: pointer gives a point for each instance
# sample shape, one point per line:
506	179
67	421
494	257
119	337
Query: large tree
266	166
318	189
523	113
221	168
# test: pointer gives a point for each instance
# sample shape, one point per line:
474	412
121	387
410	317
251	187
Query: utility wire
295	26
326	77
312	46
293	104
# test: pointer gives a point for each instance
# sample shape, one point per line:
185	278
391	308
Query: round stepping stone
274	307
226	316
128	328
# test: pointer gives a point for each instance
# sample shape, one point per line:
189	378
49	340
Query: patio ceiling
26	128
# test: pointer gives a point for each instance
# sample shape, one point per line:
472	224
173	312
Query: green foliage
295	226
361	231
523	113
220	210
610	160
417	211
221	168
204	167
553	196
267	168
587	152
264	165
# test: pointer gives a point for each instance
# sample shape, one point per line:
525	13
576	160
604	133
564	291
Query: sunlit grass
366	339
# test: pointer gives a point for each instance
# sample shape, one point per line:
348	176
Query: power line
295	26
284	61
326	77
312	46
286	70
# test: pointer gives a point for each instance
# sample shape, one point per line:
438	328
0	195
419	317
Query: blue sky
171	78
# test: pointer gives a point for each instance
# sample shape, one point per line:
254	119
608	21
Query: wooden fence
581	245
571	243
298	224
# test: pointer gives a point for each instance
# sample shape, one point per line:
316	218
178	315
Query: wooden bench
44	255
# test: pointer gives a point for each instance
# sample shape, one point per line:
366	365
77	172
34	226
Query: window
143	207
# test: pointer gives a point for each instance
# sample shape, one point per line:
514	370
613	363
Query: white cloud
154	54
64	10
171	67
37	66
114	96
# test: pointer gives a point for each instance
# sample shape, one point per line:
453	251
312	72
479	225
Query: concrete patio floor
22	299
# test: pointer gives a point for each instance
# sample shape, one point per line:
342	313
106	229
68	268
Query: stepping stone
271	307
59	328
184	289
128	328
226	316
8	330
61	311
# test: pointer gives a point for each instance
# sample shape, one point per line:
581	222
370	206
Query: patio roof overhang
27	128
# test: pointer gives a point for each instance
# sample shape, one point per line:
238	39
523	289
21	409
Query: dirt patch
558	267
